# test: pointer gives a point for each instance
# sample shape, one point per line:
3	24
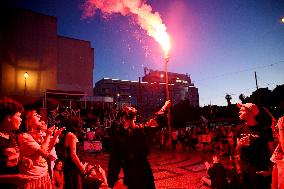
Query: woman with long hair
73	168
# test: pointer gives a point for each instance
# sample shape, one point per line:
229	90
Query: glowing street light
26	75
118	100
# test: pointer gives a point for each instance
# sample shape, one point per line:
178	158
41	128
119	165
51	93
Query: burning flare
151	22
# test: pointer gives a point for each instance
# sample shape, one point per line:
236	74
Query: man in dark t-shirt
217	173
129	151
254	141
9	154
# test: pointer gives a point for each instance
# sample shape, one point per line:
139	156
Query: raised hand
166	106
152	123
207	165
50	130
280	123
58	131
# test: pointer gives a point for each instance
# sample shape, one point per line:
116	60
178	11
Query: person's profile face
59	165
33	120
36	118
16	121
244	113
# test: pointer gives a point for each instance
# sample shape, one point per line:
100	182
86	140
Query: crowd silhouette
35	154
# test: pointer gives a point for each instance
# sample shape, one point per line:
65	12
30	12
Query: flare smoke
149	21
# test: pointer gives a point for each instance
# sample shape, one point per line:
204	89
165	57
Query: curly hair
9	107
129	112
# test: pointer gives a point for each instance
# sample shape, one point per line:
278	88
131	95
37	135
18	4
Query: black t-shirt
129	151
9	155
132	143
218	176
257	153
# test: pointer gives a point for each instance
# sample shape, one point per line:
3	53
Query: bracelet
281	129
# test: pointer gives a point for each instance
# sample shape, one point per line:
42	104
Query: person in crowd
179	146
129	151
194	139
254	147
278	158
231	141
174	138
39	136
217	174
37	148
94	178
58	175
224	141
162	140
91	134
73	168
10	157
199	146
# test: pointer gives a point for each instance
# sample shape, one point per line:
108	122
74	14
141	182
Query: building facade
29	44
148	95
180	85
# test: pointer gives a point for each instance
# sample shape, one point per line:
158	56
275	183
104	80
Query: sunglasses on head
37	115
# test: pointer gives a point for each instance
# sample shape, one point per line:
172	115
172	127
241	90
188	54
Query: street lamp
26	75
129	100
118	100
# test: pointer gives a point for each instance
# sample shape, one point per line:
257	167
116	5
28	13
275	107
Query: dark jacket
129	151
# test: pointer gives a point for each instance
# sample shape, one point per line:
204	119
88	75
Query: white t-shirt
29	149
278	159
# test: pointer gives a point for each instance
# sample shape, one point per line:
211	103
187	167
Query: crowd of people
35	155
28	155
201	138
256	163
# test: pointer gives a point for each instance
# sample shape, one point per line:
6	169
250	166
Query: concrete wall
27	44
75	65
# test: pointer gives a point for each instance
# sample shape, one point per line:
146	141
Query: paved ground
172	170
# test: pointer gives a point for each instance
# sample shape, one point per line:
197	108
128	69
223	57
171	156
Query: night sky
219	43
